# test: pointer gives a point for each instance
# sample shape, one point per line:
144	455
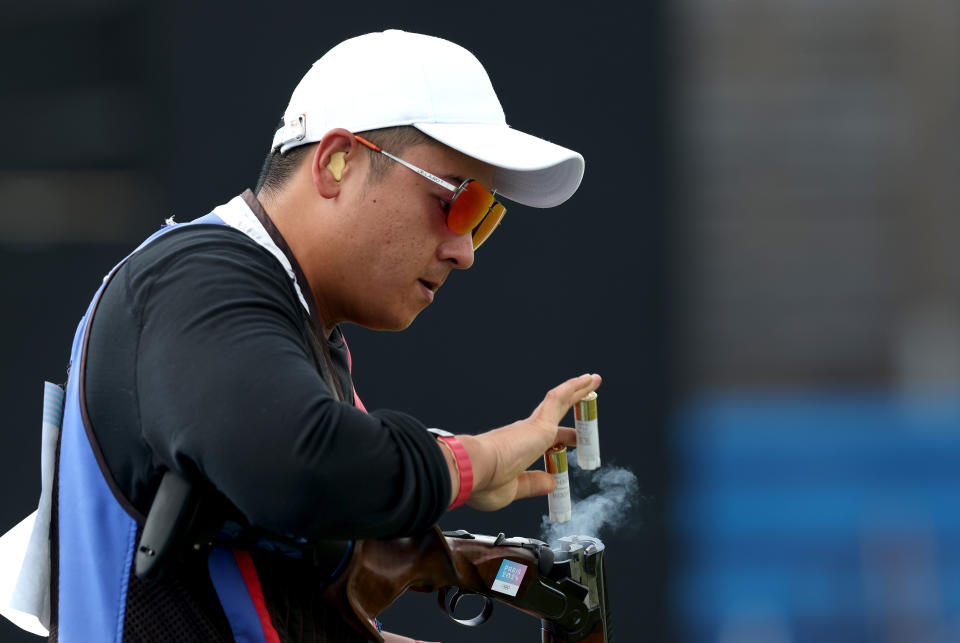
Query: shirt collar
246	214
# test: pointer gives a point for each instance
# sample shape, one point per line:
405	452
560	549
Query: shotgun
564	587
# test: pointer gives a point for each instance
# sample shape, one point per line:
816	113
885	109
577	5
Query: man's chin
394	325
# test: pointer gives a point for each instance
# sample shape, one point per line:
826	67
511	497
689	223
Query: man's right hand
500	457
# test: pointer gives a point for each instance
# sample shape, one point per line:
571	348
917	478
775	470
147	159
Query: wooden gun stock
380	571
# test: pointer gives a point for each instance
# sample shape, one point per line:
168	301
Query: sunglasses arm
423	173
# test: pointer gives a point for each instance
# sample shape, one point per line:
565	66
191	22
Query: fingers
525	485
567	436
500	457
534	483
559	400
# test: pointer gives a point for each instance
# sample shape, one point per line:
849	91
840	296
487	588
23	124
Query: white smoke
608	508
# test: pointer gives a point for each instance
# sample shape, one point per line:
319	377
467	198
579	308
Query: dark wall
555	293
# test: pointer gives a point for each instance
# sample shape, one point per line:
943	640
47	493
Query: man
214	351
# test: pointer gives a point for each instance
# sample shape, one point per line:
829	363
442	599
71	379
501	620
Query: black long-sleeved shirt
202	359
199	361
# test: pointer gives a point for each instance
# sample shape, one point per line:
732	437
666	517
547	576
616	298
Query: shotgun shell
588	436
558	500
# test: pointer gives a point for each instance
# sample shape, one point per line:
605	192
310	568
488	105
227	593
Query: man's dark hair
278	168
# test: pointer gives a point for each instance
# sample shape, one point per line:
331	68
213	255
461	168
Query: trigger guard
450	605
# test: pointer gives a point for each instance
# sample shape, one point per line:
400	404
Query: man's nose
457	249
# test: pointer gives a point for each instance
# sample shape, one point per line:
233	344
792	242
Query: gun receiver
565	588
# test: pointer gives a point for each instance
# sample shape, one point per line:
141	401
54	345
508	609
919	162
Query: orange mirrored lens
475	210
469	207
488	224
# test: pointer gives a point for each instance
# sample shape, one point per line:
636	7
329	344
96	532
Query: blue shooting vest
97	536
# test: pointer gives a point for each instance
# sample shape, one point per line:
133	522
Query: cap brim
530	170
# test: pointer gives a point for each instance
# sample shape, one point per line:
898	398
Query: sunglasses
473	208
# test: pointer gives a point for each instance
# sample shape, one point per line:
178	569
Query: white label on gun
509	577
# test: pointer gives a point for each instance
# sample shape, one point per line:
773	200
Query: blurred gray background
759	262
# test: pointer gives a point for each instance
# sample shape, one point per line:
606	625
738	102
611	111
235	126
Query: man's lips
432	285
429	288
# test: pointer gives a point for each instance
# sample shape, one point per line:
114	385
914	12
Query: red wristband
464	469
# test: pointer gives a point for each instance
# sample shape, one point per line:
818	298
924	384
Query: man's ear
332	161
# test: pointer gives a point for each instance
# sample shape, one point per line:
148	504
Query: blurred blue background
818	517
815	442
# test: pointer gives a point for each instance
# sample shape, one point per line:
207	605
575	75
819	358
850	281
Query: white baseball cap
394	78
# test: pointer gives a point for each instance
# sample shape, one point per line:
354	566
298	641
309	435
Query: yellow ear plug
337	164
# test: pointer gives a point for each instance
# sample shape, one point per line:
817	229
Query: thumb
559	399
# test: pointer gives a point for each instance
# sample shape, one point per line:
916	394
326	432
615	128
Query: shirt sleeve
227	389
